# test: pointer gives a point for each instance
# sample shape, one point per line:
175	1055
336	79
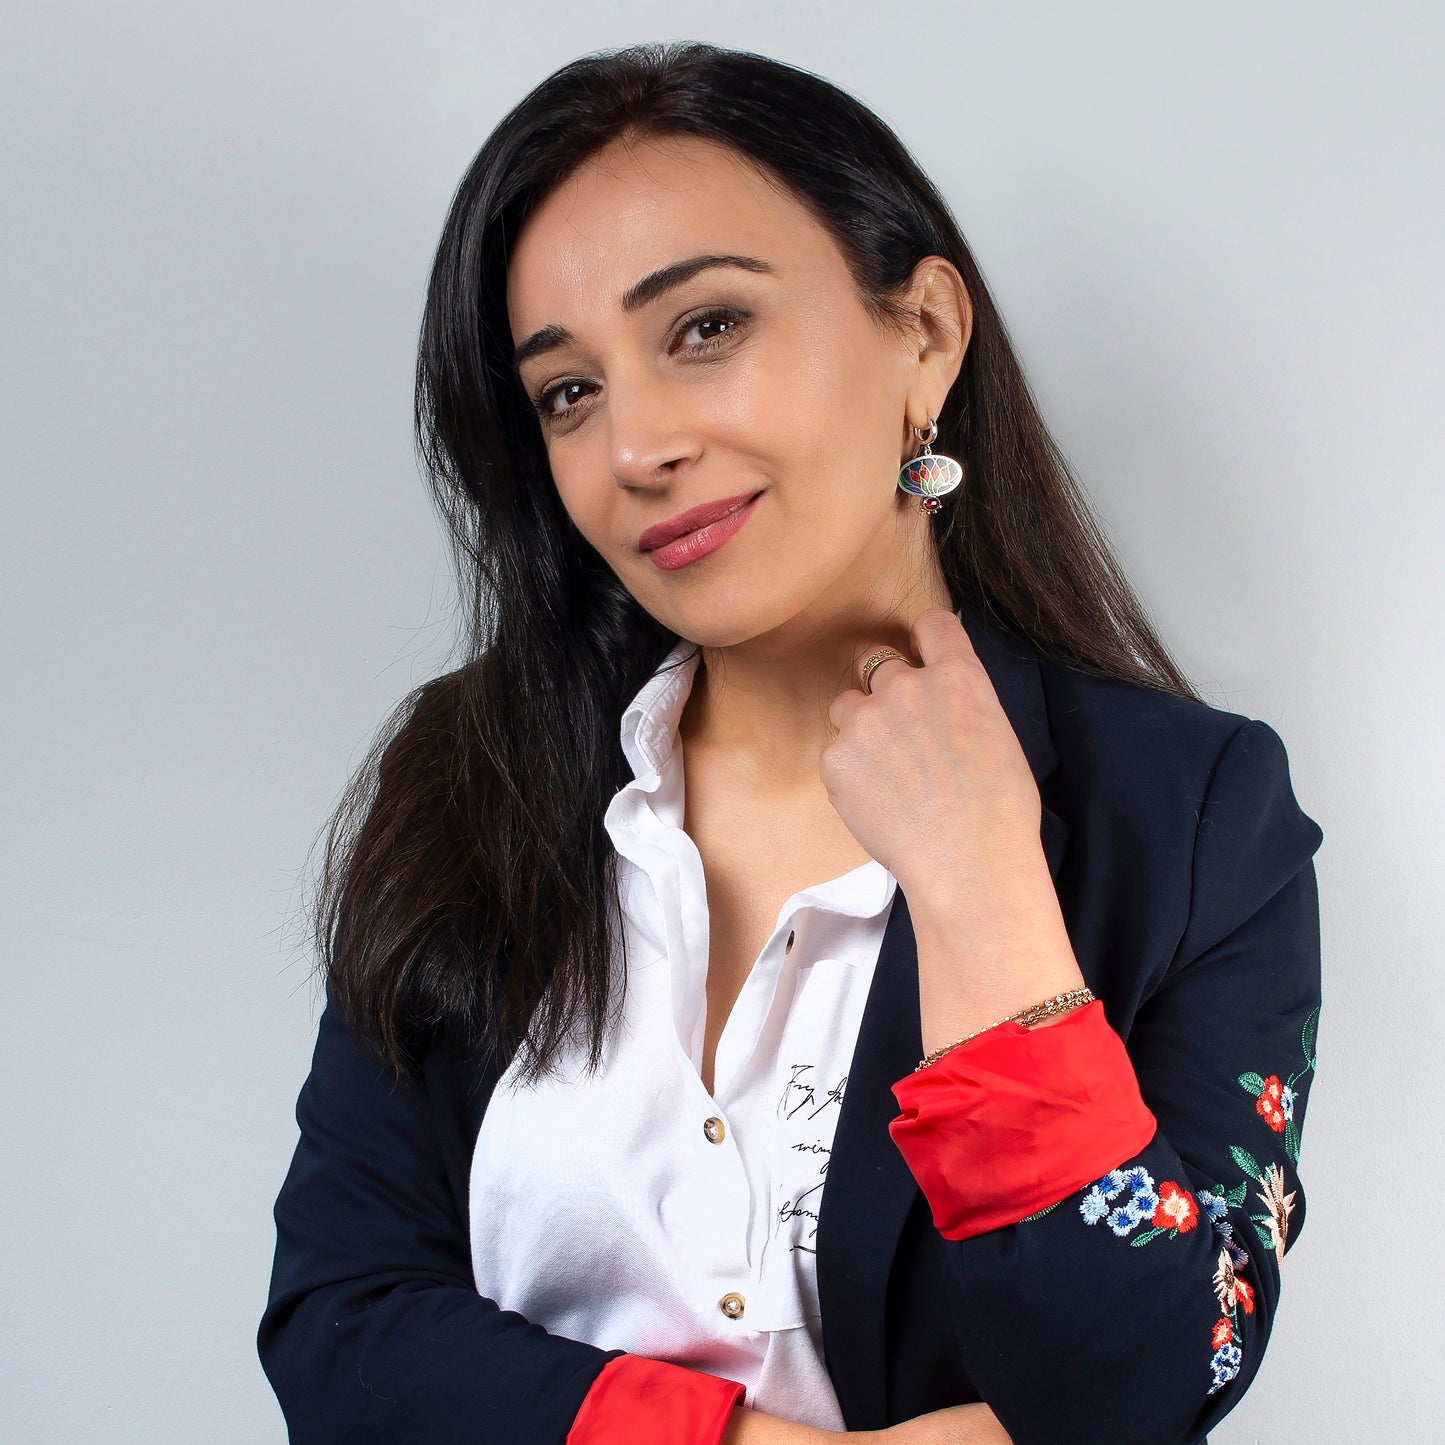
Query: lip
692	520
684	550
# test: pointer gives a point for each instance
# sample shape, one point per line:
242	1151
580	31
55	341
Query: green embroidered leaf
1252	1083
1145	1238
1291	1141
1027	1218
1265	1237
1245	1160
1307	1039
1235	1197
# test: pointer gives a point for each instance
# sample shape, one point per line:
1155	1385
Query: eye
543	403
728	318
719	316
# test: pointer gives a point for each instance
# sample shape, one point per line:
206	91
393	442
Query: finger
843	706
884	675
937	633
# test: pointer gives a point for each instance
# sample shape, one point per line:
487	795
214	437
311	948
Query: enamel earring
929	476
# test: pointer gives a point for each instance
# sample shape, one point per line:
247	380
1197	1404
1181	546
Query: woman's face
766	379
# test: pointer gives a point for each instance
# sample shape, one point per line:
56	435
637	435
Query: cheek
847	397
582	499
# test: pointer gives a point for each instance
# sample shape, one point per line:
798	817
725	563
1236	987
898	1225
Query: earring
929	476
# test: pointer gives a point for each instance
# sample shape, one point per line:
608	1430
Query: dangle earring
927	475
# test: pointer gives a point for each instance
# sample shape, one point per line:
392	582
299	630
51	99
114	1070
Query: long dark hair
468	880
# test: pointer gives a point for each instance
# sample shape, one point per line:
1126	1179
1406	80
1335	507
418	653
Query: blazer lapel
870	1190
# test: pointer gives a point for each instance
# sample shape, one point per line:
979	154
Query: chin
729	616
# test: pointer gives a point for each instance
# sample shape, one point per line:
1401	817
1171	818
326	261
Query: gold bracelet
1061	1003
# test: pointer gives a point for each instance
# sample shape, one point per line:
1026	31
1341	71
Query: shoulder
1112	733
1100	731
1168	778
1127	736
1113	753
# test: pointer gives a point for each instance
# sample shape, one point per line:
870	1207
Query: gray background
1217	235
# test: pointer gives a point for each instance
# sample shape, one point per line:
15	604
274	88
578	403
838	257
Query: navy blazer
1183	868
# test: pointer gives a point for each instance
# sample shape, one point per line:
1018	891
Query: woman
903	1025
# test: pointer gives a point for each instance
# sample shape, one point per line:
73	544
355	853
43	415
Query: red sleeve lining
1016	1119
638	1401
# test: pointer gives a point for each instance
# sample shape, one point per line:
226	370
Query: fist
926	771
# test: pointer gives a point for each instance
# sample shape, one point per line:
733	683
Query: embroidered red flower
1223	1333
1177	1209
1269	1105
1244	1295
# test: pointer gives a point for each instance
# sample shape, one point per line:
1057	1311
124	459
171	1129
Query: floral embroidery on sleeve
1274	1101
1125	1199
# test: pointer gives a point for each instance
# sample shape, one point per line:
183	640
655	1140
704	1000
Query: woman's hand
930	778
927	772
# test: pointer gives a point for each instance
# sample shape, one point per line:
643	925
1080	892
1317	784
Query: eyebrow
653	285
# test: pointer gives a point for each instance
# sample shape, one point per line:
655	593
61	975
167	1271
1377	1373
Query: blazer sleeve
1131	1297
374	1330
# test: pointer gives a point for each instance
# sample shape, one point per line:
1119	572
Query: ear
942	328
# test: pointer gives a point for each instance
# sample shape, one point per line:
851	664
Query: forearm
753	1427
957	1425
989	948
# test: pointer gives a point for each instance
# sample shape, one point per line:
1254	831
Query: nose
648	430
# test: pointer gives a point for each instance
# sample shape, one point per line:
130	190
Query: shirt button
792	934
714	1130
732	1306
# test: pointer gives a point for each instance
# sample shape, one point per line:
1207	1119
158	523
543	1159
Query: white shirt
601	1207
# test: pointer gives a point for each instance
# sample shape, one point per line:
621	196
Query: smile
705	537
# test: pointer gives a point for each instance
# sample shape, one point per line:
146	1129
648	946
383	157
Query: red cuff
1016	1119
638	1401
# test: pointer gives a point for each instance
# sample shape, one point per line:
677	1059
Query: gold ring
872	661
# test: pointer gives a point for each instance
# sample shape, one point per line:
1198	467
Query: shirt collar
650	722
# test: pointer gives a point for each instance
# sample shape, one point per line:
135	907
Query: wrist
1054	1009
946	890
988	950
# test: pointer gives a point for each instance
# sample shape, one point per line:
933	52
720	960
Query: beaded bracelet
1061	1003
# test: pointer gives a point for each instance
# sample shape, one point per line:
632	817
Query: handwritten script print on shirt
807	1117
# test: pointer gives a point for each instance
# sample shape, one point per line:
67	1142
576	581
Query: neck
764	703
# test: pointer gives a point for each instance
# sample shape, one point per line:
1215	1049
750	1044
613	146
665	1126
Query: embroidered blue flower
1225	1364
1138	1179
1123	1220
1286	1101
1139	1207
1214	1207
